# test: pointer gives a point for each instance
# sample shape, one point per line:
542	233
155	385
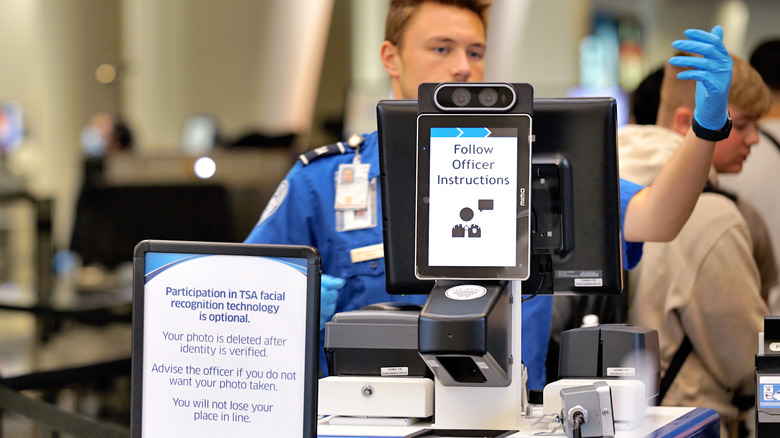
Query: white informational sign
473	198
223	345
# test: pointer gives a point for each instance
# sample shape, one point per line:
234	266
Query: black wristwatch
708	134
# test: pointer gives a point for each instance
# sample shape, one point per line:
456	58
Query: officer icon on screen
473	230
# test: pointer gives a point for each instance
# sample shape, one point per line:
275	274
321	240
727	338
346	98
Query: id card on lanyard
356	196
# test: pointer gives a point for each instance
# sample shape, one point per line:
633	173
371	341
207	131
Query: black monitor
575	203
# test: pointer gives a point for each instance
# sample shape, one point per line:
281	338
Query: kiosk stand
471	343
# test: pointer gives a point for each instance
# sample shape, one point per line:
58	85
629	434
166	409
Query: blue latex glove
329	294
712	73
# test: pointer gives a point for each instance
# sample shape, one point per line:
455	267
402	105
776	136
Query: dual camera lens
486	96
474	97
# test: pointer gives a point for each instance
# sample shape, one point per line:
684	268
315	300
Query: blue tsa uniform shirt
632	251
302	212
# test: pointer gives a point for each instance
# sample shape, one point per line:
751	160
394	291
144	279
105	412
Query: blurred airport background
106	106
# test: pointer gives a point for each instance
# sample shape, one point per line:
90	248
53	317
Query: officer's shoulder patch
337	148
275	201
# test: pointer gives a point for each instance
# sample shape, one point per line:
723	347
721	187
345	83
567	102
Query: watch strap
709	134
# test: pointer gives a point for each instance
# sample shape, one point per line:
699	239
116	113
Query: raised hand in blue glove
329	294
712	72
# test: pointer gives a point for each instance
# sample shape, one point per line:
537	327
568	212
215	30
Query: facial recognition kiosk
463	163
478	233
472	237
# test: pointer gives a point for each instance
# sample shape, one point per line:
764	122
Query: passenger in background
759	180
701	291
761	170
646	98
444	41
570	311
103	135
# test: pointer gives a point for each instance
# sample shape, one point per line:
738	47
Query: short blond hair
401	11
748	91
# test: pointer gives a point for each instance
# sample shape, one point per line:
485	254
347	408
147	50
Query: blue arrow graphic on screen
445	132
460	132
475	132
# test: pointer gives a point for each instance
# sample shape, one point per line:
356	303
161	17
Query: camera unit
474	97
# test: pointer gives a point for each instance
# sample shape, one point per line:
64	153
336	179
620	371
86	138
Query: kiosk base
380	397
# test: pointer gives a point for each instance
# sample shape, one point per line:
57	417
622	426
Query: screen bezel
523	124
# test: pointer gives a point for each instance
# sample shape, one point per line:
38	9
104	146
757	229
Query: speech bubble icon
485	204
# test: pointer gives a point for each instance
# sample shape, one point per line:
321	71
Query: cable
544	273
578	420
535	293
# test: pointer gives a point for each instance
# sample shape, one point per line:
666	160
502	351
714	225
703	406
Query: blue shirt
301	212
632	251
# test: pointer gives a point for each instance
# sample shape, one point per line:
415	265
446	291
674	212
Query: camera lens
461	97
488	97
